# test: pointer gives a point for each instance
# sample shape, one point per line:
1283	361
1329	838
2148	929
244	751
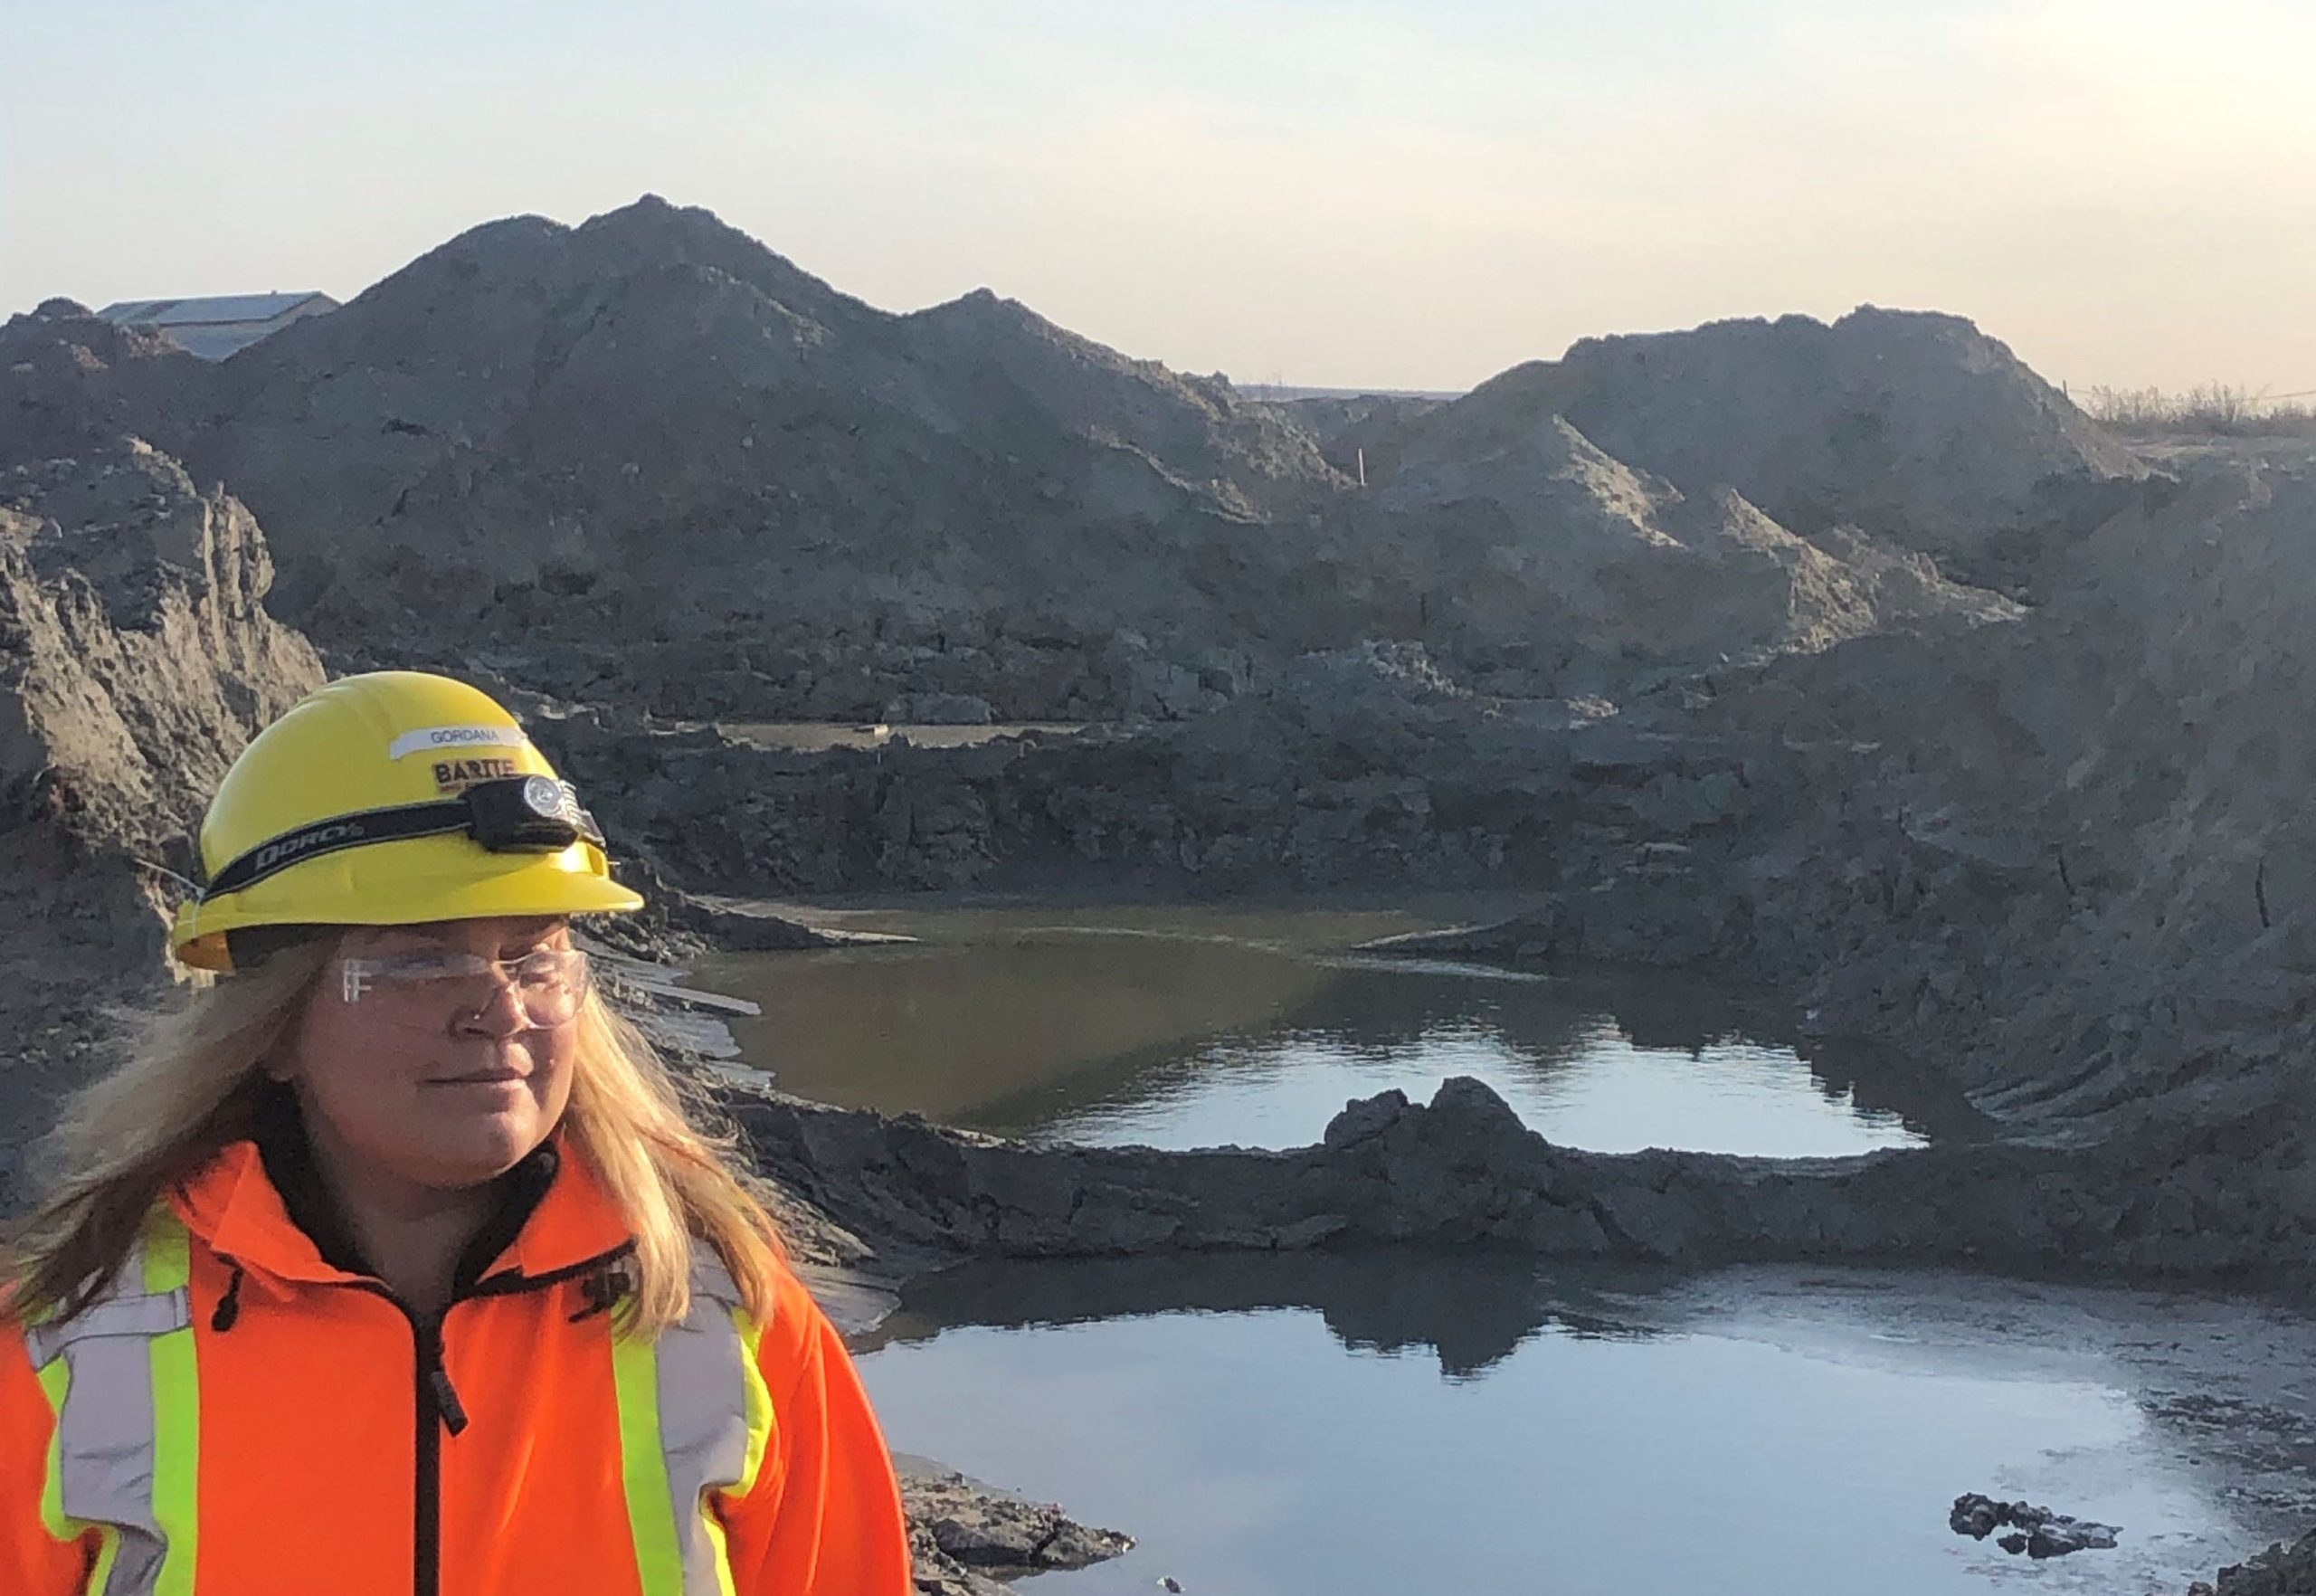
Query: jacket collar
261	1205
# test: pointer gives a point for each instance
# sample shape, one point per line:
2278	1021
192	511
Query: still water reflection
1197	1027
1380	1423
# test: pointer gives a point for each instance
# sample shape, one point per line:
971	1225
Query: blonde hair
190	1085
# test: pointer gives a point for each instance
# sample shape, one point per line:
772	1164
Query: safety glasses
432	991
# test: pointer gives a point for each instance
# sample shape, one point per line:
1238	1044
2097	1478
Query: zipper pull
436	1379
446	1398
228	1311
603	1288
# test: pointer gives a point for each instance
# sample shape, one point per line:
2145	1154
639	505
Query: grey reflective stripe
703	1400
107	1431
145	1315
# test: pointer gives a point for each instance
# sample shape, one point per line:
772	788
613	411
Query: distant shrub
2218	408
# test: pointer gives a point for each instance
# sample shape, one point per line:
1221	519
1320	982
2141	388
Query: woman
390	1265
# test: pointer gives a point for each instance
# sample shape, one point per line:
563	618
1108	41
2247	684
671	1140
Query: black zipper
439	1408
436	1399
426	1497
426	1492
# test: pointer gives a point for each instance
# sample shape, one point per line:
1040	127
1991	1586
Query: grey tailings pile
645	460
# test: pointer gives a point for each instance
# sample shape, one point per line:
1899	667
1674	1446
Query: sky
1402	194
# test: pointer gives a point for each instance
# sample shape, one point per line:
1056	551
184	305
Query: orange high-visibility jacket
238	1417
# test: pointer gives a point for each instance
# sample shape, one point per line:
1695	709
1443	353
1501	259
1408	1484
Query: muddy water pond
1410	1420
1184	1027
1328	1425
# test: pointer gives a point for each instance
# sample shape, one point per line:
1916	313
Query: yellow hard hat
392	799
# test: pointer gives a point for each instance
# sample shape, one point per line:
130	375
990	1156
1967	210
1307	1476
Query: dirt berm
1464	1170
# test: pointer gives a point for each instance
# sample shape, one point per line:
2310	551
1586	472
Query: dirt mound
1349	428
1540	533
136	659
1914	426
72	383
521	349
1195	428
648	447
968	1538
2152	739
646	459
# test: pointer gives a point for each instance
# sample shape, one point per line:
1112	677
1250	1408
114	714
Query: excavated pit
1847	663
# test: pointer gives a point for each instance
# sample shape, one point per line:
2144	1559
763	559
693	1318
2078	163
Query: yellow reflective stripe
695	1422
715	1528
55	1379
176	1411
759	1402
107	1554
168	1252
643	1467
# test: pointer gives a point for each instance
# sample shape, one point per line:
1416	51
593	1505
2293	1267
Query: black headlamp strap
336	835
526	814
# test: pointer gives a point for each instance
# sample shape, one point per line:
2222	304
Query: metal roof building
213	327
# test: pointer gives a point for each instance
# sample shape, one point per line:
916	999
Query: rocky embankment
2279	1571
2072	859
138	659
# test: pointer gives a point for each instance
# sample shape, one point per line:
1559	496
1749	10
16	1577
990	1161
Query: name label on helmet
446	739
456	776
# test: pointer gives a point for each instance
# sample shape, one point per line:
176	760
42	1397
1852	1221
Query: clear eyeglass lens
428	988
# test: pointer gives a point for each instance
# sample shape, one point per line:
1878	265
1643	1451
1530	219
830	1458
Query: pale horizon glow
1354	194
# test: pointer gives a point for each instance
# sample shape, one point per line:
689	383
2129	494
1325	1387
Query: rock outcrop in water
2039	1533
966	1536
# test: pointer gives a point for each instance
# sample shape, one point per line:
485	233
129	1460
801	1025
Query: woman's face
415	1072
